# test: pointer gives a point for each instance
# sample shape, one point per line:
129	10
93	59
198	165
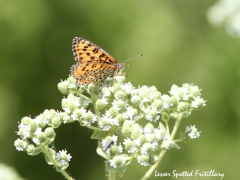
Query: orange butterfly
93	63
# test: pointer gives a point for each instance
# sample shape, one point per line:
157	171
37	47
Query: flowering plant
129	123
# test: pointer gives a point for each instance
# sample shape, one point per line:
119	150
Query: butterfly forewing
86	51
93	63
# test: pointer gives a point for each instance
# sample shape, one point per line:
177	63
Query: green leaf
100	135
100	151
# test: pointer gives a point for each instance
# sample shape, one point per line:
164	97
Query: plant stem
177	123
111	175
54	162
95	128
150	171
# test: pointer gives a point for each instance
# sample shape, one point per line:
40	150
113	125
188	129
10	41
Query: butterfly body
93	63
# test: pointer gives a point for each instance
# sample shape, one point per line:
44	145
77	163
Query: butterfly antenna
133	57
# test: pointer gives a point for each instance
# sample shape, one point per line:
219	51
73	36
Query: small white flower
107	93
38	131
36	140
67	110
74	117
20	144
104	100
159	133
167	144
126	141
114	138
117	161
130	112
85	103
192	132
144	150
63	158
137	141
71	85
143	160
114	121
66	118
198	102
120	148
83	111
105	123
127	87
112	163
154	145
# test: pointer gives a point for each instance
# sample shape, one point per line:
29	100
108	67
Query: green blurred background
179	46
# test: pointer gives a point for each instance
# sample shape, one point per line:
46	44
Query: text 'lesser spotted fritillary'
93	63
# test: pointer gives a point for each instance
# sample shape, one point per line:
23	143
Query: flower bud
68	105
120	95
50	133
140	140
56	122
136	100
157	104
136	131
149	128
152	115
41	136
106	92
146	148
115	150
119	160
120	79
152	90
173	102
63	159
151	138
90	118
91	88
127	128
63	87
41	120
120	118
113	111
100	104
33	126
120	104
156	95
20	144
198	103
143	160
195	91
25	120
105	123
182	106
116	88
130	146
32	150
167	144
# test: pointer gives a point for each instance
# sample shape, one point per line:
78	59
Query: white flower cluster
227	13
122	107
121	110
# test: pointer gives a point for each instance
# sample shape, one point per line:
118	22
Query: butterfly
93	63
